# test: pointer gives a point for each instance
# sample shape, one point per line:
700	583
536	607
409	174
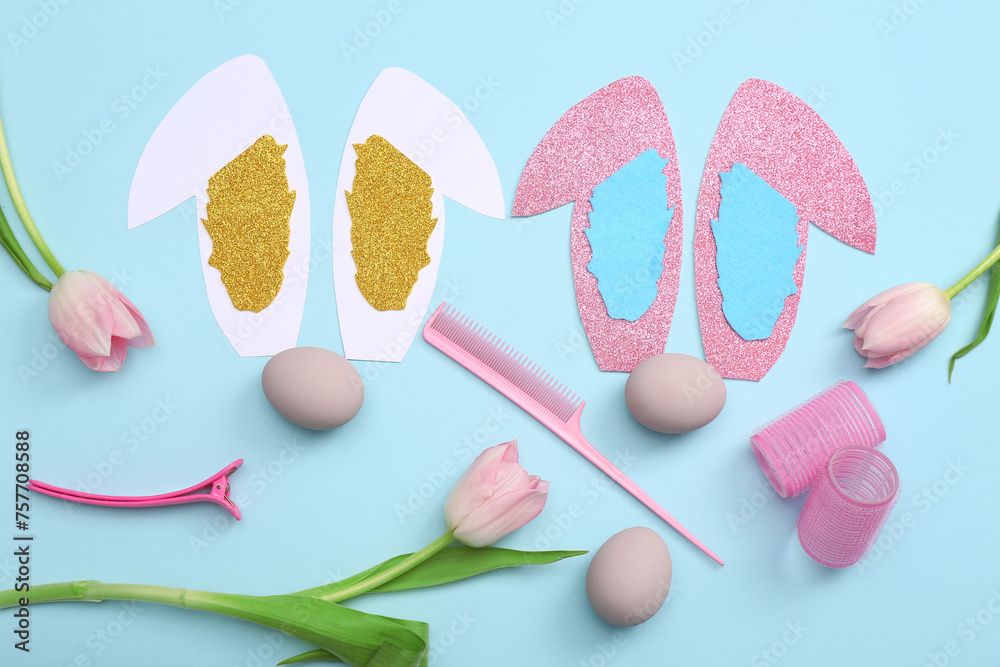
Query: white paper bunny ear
409	147
230	142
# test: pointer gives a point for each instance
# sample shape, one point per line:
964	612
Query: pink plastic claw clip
217	486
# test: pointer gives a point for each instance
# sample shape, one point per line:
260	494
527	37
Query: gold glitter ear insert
249	210
390	223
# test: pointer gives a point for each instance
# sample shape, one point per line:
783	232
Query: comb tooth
484	341
512	361
504	360
492	358
503	351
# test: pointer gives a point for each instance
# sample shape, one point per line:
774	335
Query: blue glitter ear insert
757	248
628	222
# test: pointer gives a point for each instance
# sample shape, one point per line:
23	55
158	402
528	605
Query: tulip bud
896	323
494	497
95	320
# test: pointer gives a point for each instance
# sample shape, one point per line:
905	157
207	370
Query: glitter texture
591	141
249	209
781	139
390	223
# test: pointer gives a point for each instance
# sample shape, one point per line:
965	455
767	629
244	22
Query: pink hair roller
793	448
848	506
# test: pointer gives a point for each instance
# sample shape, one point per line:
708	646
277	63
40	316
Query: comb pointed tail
573	436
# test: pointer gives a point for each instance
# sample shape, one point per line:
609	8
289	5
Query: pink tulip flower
95	320
892	325
494	497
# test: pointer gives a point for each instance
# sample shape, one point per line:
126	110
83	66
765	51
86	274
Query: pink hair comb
535	391
848	506
213	490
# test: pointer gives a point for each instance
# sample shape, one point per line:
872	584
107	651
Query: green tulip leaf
461	562
353	636
448	565
319	655
322	655
14	249
984	327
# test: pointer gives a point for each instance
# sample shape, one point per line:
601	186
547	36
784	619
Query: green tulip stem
12	246
980	269
22	208
391	573
95	591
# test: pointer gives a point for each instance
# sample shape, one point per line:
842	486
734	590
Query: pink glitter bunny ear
770	145
605	141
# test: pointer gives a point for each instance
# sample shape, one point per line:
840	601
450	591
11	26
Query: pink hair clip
215	489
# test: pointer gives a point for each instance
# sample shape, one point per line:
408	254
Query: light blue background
327	507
